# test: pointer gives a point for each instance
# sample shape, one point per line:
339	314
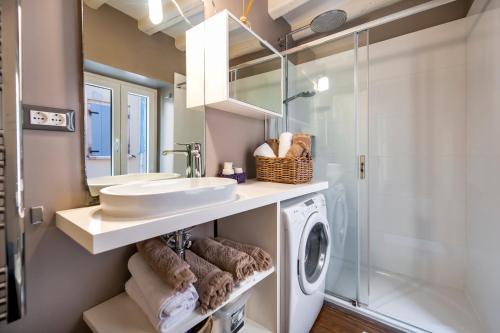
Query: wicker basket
284	170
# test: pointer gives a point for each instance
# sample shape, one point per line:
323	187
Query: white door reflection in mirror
138	123
137	133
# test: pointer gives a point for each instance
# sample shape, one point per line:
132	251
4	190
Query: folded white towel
264	150
285	143
162	305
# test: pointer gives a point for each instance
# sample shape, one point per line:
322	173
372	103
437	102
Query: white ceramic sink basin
97	183
164	197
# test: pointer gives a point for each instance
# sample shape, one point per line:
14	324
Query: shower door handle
362	166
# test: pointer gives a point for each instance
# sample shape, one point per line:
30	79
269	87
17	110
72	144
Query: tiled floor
431	308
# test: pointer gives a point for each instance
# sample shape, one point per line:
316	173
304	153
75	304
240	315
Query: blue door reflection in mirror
100	123
98	138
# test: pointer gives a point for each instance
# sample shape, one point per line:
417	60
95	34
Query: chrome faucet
193	158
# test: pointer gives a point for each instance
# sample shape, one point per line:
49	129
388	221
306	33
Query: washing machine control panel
308	207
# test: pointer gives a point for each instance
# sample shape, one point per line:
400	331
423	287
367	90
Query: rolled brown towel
238	263
297	149
213	285
166	263
305	139
261	257
274	144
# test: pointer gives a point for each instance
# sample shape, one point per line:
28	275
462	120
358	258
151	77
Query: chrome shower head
307	93
323	23
328	21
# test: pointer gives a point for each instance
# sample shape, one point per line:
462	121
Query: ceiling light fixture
155	11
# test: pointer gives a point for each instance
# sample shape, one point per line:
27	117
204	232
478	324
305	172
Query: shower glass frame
352	48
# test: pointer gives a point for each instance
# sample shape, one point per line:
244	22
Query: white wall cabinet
229	67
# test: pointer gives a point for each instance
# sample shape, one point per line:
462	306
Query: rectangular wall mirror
135	92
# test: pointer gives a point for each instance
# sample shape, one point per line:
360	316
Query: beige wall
63	279
112	38
230	137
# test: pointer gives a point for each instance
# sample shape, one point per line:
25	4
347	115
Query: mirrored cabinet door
255	70
243	73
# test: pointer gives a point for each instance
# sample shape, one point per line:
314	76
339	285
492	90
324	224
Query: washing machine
305	249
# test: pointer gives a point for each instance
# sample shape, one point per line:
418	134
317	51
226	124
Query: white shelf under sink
121	315
98	233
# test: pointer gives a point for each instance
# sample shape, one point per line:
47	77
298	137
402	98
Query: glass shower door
323	89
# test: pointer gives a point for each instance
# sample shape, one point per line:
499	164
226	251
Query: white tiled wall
417	158
483	165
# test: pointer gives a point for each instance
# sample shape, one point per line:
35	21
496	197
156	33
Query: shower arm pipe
304	27
369	25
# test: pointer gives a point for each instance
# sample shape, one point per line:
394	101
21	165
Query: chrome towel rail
12	276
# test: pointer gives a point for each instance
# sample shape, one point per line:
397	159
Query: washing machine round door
314	253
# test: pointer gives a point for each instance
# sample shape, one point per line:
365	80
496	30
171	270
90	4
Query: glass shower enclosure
326	96
405	130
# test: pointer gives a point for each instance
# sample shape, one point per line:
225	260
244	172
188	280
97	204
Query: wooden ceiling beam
278	8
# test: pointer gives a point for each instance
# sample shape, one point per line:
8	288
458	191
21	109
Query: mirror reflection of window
119	112
131	66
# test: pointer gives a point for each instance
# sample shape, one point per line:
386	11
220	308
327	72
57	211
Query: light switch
36	214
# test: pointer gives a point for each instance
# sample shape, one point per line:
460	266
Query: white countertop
99	233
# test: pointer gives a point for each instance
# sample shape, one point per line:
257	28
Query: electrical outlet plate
48	119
